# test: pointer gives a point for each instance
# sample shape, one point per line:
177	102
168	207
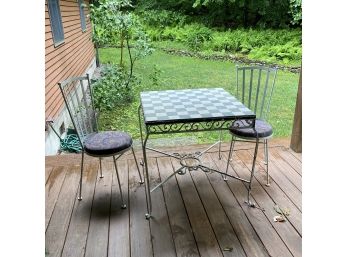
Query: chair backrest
78	99
255	88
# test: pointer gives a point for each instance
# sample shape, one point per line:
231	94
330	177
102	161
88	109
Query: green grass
186	72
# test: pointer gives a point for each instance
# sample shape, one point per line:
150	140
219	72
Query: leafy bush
155	75
193	35
271	45
174	34
296	12
232	13
162	18
197	35
112	88
268	45
284	53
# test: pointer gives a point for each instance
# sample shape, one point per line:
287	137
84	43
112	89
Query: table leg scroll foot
252	205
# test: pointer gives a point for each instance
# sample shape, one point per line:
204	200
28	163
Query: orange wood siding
69	59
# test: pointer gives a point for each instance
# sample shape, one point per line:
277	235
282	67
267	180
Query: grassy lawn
174	72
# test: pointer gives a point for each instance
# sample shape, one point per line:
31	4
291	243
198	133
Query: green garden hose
70	143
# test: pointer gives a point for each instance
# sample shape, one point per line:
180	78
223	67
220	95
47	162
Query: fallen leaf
228	249
279	218
282	211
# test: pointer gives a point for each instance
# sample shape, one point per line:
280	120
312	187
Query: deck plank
184	240
98	233
283	169
48	170
52	189
202	230
223	230
140	233
289	172
278	196
258	220
288	158
59	223
246	234
162	239
193	215
296	155
278	177
119	244
285	230
76	238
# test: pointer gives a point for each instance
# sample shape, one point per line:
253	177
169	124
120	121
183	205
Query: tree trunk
121	59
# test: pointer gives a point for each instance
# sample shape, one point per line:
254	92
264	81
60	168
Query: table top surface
191	105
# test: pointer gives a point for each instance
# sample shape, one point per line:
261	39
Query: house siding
74	57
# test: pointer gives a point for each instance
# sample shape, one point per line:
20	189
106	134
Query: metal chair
255	87
78	98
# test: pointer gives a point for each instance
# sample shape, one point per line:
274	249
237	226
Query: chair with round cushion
254	87
78	99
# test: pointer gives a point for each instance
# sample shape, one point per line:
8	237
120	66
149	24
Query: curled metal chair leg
266	161
123	205
101	169
220	144
229	157
136	162
250	204
80	190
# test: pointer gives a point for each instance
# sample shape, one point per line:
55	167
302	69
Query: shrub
284	53
197	35
270	45
174	34
155	75
112	88
162	18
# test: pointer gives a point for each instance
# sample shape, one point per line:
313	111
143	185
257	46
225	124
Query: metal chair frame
78	99
260	109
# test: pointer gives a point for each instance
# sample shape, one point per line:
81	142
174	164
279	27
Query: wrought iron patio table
190	110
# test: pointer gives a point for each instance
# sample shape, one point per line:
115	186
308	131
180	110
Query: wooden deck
195	214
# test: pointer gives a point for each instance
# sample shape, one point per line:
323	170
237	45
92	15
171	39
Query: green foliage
155	75
162	18
113	89
231	13
111	20
141	44
296	12
284	53
197	35
281	46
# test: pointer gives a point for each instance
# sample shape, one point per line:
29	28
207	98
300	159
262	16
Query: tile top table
191	105
188	110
